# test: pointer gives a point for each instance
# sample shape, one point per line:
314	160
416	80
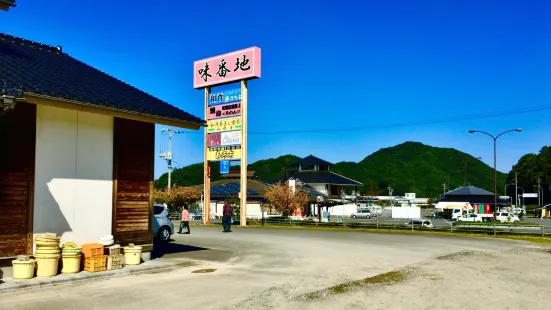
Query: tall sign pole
226	114
206	168
243	176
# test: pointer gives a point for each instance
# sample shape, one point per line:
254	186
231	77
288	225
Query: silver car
361	214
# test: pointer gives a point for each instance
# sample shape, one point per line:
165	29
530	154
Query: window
323	168
306	167
158	210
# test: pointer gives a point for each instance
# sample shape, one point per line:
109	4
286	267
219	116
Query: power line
409	123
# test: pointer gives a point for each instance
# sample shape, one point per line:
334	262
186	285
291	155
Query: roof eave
111	111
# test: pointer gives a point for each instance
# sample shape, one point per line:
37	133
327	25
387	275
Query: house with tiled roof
230	187
6	4
316	173
77	149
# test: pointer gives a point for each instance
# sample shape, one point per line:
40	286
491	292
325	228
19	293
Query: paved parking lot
258	268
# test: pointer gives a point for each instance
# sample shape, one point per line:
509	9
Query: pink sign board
234	66
225	110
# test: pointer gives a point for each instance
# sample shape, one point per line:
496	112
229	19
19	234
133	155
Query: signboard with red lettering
222	69
224	110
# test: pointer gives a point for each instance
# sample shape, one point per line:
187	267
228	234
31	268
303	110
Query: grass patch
208	270
384	279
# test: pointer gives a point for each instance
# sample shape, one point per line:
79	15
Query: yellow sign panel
224	153
224	124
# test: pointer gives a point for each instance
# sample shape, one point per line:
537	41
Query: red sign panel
225	110
214	139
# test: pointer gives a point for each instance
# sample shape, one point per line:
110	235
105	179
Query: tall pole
169	159
495	165
168	155
244	99
495	179
540	202
206	167
516	189
465	175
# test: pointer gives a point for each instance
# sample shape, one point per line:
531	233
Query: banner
225	110
224	153
224	124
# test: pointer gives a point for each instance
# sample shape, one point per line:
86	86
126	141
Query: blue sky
332	65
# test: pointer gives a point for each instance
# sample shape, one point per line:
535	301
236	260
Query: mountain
528	169
407	167
419	168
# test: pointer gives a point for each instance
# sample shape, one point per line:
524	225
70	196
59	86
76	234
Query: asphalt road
254	268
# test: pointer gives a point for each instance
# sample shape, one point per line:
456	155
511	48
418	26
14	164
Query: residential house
77	149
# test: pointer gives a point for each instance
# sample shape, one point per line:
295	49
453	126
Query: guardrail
489	228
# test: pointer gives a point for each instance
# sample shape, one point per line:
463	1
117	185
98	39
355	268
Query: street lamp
495	167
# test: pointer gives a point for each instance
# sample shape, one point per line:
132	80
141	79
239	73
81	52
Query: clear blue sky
330	65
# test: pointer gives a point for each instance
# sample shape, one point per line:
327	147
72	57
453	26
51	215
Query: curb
84	276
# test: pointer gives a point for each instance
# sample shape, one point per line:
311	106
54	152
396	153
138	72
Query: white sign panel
231	138
530	195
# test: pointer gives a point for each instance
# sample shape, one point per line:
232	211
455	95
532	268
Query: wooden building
77	149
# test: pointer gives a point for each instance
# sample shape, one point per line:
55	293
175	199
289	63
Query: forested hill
407	167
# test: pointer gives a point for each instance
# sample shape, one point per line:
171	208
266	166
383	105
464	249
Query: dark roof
30	68
255	189
8	2
312	160
469	191
229	189
321	177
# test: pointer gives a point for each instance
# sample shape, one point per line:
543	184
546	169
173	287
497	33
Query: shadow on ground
163	248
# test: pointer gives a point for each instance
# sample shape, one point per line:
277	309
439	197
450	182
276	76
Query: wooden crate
114	261
95	264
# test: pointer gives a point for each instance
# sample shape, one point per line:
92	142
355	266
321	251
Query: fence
487	228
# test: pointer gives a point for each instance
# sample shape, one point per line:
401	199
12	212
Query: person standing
184	223
227	213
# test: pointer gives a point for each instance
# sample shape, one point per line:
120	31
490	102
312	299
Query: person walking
184	222
227	213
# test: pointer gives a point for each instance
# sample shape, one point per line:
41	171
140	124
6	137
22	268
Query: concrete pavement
253	268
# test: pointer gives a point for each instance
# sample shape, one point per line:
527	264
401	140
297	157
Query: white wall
74	172
319	187
406	212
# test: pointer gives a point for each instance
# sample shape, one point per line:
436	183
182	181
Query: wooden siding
17	145
133	181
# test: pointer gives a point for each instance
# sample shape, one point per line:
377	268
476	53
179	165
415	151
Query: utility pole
539	192
516	190
390	191
444	187
168	155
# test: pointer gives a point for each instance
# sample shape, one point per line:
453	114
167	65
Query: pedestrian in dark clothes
227	213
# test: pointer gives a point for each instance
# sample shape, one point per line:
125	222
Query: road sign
530	195
224	166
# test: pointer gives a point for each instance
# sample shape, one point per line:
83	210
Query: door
17	149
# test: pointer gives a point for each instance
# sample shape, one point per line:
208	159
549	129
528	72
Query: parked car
505	217
471	217
163	227
420	223
361	214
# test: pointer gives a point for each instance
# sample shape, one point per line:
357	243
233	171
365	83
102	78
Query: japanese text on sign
224	138
228	96
239	65
224	153
224	124
225	110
